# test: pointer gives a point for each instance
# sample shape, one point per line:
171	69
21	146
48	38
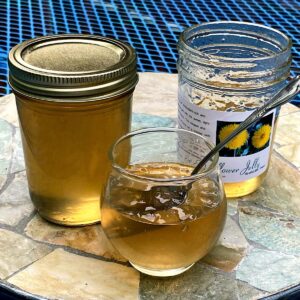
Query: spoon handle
280	98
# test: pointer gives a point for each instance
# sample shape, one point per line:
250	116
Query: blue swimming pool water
151	26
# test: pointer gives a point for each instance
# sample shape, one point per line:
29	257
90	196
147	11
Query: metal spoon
179	193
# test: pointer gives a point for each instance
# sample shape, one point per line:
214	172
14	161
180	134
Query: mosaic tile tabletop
257	255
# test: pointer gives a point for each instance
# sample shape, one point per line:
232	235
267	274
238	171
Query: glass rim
210	169
182	40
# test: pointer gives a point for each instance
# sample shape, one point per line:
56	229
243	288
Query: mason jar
226	70
73	96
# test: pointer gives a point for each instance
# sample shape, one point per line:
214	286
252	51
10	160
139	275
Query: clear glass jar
144	213
226	69
73	95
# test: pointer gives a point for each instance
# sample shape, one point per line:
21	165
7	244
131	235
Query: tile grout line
26	266
289	163
276	213
64	247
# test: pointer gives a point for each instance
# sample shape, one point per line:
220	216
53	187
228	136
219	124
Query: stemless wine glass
161	231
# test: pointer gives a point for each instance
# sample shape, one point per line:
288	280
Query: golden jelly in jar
226	70
73	95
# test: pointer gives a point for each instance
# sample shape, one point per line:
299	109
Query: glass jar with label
227	69
73	95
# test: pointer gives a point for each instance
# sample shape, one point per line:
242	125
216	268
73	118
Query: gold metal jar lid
83	67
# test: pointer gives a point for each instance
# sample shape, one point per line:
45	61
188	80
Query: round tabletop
258	254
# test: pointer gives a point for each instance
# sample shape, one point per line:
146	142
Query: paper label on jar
247	155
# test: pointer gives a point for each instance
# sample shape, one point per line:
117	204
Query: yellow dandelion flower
238	141
261	136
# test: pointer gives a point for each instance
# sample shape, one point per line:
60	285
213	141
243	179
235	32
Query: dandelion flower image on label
238	141
261	136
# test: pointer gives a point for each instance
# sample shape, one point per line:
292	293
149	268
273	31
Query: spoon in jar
282	97
178	194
